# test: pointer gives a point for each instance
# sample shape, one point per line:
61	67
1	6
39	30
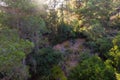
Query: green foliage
27	24
101	45
92	18
104	45
45	59
64	32
116	41
17	9
12	52
118	76
25	5
2	17
92	45
92	68
30	25
57	73
94	31
96	10
115	53
23	18
84	56
33	23
76	25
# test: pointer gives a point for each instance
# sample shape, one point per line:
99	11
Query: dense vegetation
60	40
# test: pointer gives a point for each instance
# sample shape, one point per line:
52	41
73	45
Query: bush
116	40
100	45
94	31
57	74
92	45
13	51
92	69
104	45
84	55
64	32
115	53
45	60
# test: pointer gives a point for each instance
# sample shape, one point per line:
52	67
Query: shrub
45	60
57	74
92	45
115	53
94	31
64	32
100	45
12	54
92	68
104	45
84	55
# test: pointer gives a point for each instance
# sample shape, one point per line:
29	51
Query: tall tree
24	16
12	55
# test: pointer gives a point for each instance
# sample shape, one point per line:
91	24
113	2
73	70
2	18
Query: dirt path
72	49
70	44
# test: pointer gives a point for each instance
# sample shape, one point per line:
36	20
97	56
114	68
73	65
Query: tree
92	68
32	27
96	10
24	16
92	12
115	53
45	60
12	55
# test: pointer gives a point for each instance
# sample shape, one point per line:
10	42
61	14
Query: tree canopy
49	39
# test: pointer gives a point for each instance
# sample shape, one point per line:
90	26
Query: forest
59	39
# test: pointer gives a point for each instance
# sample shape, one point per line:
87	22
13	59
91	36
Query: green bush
100	45
92	45
13	51
94	31
104	45
116	40
64	32
84	55
45	60
114	54
92	68
57	74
